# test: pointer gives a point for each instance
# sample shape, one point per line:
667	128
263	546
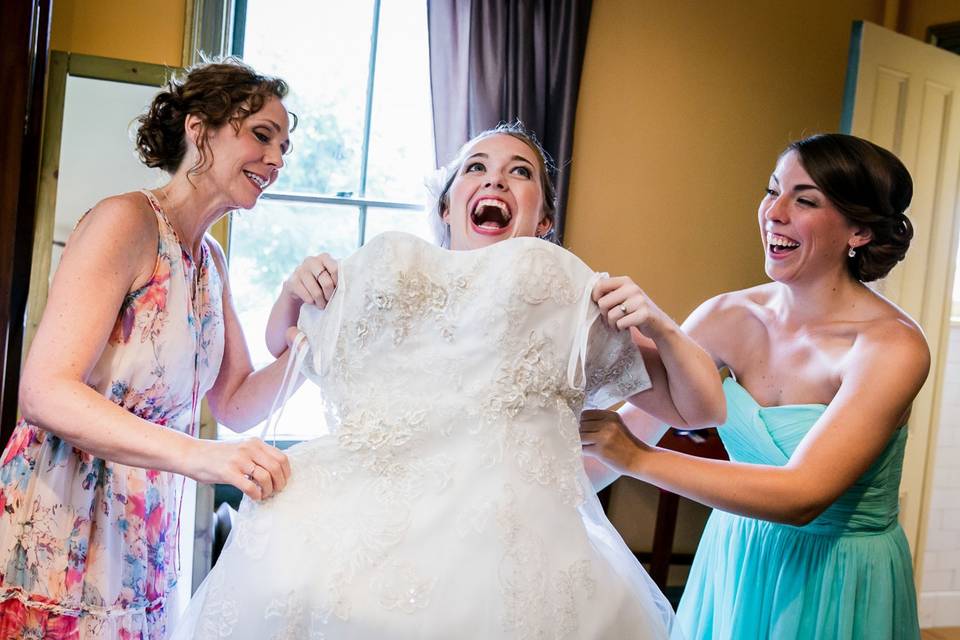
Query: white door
905	96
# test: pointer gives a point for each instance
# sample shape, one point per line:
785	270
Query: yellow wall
917	15
683	109
141	30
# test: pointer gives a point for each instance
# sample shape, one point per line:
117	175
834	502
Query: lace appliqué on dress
530	381
614	367
297	622
540	599
544	279
220	615
400	587
409	299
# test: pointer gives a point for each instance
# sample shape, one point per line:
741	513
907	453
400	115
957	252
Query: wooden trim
98	68
189	28
46	195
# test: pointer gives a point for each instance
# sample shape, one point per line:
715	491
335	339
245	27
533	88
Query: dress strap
168	236
287	385
577	362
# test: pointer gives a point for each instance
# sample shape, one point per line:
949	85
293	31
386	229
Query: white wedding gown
450	499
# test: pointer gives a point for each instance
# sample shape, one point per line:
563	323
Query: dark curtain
23	67
504	60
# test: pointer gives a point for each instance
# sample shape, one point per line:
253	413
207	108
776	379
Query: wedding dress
449	500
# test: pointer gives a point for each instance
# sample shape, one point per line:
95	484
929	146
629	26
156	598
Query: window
359	79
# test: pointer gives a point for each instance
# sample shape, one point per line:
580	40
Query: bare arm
241	397
115	247
314	282
872	402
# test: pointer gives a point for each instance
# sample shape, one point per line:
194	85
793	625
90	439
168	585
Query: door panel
902	94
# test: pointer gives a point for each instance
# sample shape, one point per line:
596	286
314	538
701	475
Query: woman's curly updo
871	188
219	92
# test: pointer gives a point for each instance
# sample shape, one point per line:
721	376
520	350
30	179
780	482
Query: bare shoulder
724	324
113	245
891	341
124	221
730	308
891	329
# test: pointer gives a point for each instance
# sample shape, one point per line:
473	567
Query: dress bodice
165	350
769	435
503	344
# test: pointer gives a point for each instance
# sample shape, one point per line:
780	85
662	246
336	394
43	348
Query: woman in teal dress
804	540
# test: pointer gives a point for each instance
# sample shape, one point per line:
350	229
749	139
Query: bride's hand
314	281
624	304
251	465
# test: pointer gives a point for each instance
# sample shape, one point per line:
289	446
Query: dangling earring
852	252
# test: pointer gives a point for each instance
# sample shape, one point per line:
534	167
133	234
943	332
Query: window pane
322	49
415	222
401	131
266	244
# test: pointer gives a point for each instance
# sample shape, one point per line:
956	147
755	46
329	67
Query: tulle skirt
753	579
429	550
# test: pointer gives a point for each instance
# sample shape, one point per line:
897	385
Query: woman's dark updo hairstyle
548	171
871	188
219	92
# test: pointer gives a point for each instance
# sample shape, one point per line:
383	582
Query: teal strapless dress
846	575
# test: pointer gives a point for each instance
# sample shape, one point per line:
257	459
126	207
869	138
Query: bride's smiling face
496	194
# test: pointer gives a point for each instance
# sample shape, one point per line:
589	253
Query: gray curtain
504	60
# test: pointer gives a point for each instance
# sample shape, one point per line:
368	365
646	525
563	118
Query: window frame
359	200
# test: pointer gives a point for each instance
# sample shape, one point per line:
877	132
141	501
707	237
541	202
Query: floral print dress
88	547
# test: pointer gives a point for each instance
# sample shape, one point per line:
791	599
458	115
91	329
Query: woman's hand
251	465
605	437
624	304
314	281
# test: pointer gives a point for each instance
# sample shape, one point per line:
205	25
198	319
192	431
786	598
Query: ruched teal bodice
846	575
770	435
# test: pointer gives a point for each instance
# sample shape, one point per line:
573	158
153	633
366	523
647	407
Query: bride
451	499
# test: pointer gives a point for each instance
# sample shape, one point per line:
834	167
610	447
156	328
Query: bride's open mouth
491	216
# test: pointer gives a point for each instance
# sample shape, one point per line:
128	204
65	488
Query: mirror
87	153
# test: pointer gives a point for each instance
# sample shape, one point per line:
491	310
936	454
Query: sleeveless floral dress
88	547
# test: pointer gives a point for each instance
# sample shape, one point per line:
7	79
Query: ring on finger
623	309
249	475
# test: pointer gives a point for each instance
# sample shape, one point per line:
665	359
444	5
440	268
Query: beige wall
142	30
917	15
683	109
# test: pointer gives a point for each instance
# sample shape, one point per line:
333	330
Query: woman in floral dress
139	327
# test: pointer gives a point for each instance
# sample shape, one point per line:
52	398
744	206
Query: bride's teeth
491	202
